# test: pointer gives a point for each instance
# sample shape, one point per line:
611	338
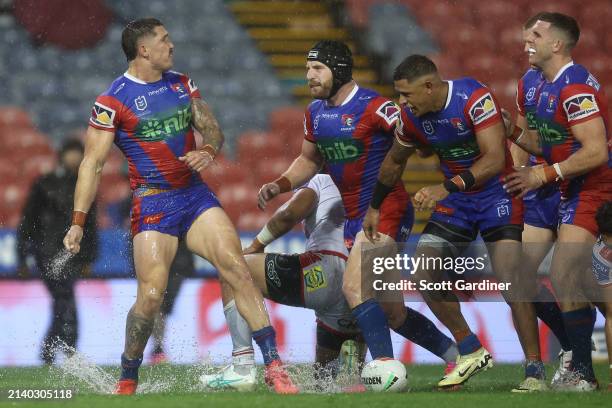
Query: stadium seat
14	117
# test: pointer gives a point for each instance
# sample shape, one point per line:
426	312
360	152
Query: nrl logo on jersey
580	106
140	102
428	127
530	95
483	109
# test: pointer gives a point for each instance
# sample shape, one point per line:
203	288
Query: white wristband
265	236
519	136
558	170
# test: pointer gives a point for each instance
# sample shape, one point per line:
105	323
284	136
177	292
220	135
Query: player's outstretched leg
153	254
213	237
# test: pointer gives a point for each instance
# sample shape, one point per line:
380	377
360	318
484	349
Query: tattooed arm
203	120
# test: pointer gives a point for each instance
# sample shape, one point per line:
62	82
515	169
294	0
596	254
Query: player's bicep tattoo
205	122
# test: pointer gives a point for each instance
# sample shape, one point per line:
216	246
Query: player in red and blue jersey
574	139
150	112
461	122
348	131
541	211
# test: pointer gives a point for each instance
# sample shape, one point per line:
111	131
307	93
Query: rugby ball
384	375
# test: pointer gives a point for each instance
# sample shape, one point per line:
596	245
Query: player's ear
429	87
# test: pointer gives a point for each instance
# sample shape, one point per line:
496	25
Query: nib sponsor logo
341	151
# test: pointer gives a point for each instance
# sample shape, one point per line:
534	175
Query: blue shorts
170	211
480	211
542	207
396	221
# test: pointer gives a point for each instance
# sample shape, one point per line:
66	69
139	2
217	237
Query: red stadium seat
288	121
268	170
113	188
14	117
225	172
254	147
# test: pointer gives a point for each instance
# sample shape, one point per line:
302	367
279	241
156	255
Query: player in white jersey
312	279
602	269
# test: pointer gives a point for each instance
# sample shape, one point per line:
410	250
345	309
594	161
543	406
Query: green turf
178	383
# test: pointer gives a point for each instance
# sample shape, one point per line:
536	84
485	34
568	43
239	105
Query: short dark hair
532	20
604	218
413	67
71	144
135	30
562	22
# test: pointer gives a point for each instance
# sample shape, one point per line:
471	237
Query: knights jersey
451	132
574	96
152	127
526	98
353	138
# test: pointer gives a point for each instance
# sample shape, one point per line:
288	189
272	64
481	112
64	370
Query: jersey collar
349	97
562	70
133	78
449	95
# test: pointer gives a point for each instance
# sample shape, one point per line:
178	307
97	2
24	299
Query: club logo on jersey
389	111
530	95
340	150
580	106
141	103
483	109
428	127
315	279
458	124
102	115
592	82
347	120
552	99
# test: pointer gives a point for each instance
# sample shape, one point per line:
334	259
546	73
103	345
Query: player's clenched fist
197	160
370	225
266	193
427	197
72	240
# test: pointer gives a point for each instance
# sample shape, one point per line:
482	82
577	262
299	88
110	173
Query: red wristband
209	149
78	218
283	183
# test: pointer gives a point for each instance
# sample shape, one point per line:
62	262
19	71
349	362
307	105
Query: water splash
57	267
84	375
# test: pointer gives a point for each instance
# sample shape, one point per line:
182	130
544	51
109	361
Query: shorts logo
580	106
483	109
428	127
153	219
141	102
102	115
272	274
315	279
503	210
389	111
444	210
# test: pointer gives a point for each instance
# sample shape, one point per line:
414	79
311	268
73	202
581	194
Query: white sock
242	346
